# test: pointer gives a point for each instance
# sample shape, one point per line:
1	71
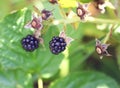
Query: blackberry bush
57	45
30	43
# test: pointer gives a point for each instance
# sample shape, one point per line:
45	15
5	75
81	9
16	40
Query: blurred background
8	6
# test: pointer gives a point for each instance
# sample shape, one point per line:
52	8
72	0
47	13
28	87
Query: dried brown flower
82	11
101	49
36	23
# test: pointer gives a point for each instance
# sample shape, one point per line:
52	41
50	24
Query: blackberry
30	43
57	45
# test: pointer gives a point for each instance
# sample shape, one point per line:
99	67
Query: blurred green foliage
77	67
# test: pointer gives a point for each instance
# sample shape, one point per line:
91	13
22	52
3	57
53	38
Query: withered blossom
82	11
36	23
46	14
100	5
101	49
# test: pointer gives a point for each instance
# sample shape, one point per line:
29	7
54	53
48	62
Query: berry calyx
36	24
101	49
57	45
30	43
46	14
82	11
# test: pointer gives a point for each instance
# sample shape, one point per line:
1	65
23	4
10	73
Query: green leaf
88	79
79	51
118	56
79	55
13	56
15	79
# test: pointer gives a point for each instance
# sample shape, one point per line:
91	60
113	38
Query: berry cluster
57	44
30	43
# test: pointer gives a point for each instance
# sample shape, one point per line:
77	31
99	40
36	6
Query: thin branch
109	34
88	19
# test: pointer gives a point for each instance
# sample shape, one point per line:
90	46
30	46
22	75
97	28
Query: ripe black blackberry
30	43
57	45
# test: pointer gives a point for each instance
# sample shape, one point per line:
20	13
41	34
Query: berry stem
63	14
37	10
62	11
40	83
109	34
88	19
